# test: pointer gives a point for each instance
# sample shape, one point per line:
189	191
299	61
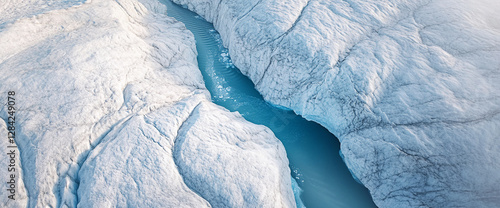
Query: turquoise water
312	150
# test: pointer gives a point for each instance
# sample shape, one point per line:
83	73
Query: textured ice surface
311	149
411	88
19	193
112	112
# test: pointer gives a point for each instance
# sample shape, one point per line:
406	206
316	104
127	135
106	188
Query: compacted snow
411	88
19	192
112	111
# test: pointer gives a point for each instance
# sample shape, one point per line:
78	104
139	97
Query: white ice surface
103	88
7	171
411	88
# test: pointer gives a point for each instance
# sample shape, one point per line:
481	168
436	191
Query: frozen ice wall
112	111
411	88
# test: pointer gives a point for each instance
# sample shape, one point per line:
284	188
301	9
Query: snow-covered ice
193	154
411	88
19	192
113	111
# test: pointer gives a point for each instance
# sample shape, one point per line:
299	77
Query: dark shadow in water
312	150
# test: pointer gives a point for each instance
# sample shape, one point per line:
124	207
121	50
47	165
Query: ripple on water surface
313	151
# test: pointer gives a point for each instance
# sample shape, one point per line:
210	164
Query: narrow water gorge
312	150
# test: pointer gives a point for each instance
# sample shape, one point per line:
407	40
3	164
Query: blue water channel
312	150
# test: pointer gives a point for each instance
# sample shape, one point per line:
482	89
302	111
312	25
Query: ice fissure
175	152
384	76
324	177
103	87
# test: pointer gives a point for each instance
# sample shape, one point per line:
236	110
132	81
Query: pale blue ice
319	171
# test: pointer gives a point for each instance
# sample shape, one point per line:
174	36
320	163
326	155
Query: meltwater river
312	150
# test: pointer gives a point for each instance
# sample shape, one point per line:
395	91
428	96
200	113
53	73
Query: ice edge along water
79	69
297	191
329	182
409	87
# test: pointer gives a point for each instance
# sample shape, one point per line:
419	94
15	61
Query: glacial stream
312	150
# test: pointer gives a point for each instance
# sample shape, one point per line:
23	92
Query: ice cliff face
112	112
411	88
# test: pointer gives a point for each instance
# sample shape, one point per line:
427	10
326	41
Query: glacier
410	88
313	152
112	111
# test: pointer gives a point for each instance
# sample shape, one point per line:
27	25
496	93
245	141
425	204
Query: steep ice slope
103	88
411	88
